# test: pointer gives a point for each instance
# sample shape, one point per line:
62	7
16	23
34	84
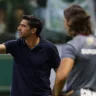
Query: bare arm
65	67
2	49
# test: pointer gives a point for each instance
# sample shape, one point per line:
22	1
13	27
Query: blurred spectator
42	3
94	2
41	9
70	1
16	17
3	17
34	6
3	26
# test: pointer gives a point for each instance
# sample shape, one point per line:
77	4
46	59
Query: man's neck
32	41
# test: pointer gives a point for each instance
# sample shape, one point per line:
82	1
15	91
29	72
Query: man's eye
23	25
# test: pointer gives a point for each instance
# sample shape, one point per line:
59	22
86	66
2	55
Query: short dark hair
34	22
78	20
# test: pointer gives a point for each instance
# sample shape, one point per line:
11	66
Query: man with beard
33	57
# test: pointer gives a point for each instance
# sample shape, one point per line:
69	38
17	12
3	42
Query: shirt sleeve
68	51
55	58
10	46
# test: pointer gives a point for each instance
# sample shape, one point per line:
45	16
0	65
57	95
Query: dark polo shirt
32	67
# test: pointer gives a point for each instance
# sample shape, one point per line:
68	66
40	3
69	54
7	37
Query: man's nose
18	28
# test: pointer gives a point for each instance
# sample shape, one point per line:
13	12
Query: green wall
5	73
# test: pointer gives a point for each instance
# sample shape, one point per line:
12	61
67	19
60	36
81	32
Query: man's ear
33	30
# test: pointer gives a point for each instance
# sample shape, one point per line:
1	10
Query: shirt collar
38	45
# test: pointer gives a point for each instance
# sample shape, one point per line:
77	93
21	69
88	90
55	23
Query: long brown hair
78	20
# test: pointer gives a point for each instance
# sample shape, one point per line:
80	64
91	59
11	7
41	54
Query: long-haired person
78	65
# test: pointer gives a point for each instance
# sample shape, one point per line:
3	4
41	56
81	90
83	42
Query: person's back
77	65
83	72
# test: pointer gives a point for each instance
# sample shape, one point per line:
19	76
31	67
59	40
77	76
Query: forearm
61	75
58	86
